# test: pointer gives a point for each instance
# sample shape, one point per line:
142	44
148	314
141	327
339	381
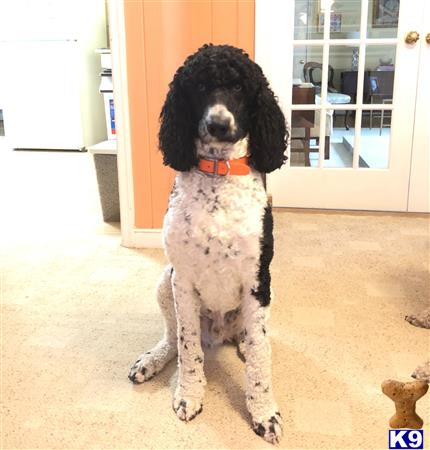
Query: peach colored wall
160	34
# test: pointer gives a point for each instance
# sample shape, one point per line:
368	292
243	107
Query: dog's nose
218	126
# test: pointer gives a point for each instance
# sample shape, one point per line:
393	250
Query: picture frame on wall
385	13
335	22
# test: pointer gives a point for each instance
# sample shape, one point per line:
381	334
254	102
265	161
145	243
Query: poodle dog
221	129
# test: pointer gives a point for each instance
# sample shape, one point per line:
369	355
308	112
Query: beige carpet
77	308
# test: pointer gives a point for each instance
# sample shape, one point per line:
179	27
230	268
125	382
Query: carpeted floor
77	308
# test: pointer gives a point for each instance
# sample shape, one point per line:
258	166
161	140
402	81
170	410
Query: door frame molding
419	181
130	235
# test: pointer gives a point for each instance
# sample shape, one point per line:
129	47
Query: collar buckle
215	172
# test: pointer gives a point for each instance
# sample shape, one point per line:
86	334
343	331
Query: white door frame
131	236
349	188
419	187
122	119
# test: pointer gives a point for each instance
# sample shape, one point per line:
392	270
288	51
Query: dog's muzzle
219	123
218	127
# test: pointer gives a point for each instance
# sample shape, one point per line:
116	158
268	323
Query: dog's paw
143	369
152	362
187	408
270	428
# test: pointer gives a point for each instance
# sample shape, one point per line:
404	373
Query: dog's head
220	97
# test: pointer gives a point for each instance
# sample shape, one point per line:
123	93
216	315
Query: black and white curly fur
218	229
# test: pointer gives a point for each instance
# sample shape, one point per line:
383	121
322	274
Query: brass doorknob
428	38
412	37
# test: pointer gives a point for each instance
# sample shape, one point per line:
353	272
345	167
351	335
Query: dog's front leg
187	401
266	419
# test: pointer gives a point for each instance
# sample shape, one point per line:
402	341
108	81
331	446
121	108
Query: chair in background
305	125
381	85
333	96
305	131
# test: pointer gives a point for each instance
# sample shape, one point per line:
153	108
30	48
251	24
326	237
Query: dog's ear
268	132
177	131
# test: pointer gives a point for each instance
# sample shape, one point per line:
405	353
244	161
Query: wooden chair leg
306	147
327	148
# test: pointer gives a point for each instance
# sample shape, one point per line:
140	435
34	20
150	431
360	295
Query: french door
346	73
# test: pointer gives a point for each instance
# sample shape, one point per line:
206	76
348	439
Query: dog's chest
212	232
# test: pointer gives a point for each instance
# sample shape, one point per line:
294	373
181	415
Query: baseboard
144	238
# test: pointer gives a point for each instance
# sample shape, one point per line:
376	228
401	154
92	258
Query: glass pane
306	20
307	68
383	18
379	73
375	139
342	76
305	132
339	141
345	19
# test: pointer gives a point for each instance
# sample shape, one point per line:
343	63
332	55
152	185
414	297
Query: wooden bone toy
405	396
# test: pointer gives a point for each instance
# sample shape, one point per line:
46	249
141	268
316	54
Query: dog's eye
201	87
237	87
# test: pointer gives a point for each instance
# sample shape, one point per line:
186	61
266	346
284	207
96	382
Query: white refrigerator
49	73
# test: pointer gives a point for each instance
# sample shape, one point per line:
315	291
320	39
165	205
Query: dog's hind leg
150	363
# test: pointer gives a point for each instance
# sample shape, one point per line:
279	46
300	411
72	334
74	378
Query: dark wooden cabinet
377	84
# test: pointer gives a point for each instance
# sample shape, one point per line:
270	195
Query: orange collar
225	167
